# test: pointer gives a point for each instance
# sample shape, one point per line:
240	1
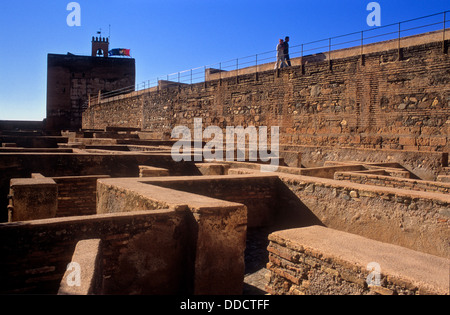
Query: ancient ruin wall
35	254
373	102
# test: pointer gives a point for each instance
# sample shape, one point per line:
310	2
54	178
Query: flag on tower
119	52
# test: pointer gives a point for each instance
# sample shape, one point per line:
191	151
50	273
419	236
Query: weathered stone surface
33	198
341	265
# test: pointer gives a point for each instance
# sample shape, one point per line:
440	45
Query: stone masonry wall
321	261
34	256
381	102
396	182
412	219
258	194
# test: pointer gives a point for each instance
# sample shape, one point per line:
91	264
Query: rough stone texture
412	219
320	261
396	182
257	192
35	255
77	195
119	164
218	228
212	168
33	199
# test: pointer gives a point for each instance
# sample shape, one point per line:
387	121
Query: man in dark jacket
286	51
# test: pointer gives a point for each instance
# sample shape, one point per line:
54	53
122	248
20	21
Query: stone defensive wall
385	98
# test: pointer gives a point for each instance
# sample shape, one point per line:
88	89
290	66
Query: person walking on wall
286	51
280	55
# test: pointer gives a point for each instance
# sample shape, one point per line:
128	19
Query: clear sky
167	36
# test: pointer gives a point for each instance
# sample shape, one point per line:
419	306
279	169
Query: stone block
33	198
84	274
407	141
438	141
150	171
213	168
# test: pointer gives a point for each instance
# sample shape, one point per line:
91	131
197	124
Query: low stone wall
35	255
217	228
22	165
412	219
424	164
150	171
321	261
257	192
84	274
32	199
389	181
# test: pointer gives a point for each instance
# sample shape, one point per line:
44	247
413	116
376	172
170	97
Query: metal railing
361	39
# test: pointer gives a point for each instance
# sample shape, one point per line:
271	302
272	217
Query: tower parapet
100	46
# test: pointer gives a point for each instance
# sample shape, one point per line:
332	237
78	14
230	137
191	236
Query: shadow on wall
292	212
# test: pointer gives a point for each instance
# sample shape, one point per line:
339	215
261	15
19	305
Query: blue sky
167	36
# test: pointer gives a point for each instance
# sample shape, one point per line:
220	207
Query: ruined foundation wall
322	261
412	219
378	102
22	165
217	229
77	195
34	255
258	194
395	182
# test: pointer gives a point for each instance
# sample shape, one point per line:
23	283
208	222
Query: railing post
444	48
399	45
329	52
237	70
302	63
256	65
362	47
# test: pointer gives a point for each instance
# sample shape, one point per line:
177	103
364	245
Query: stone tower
71	79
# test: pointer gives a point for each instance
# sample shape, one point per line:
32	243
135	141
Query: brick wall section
77	195
218	228
381	103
